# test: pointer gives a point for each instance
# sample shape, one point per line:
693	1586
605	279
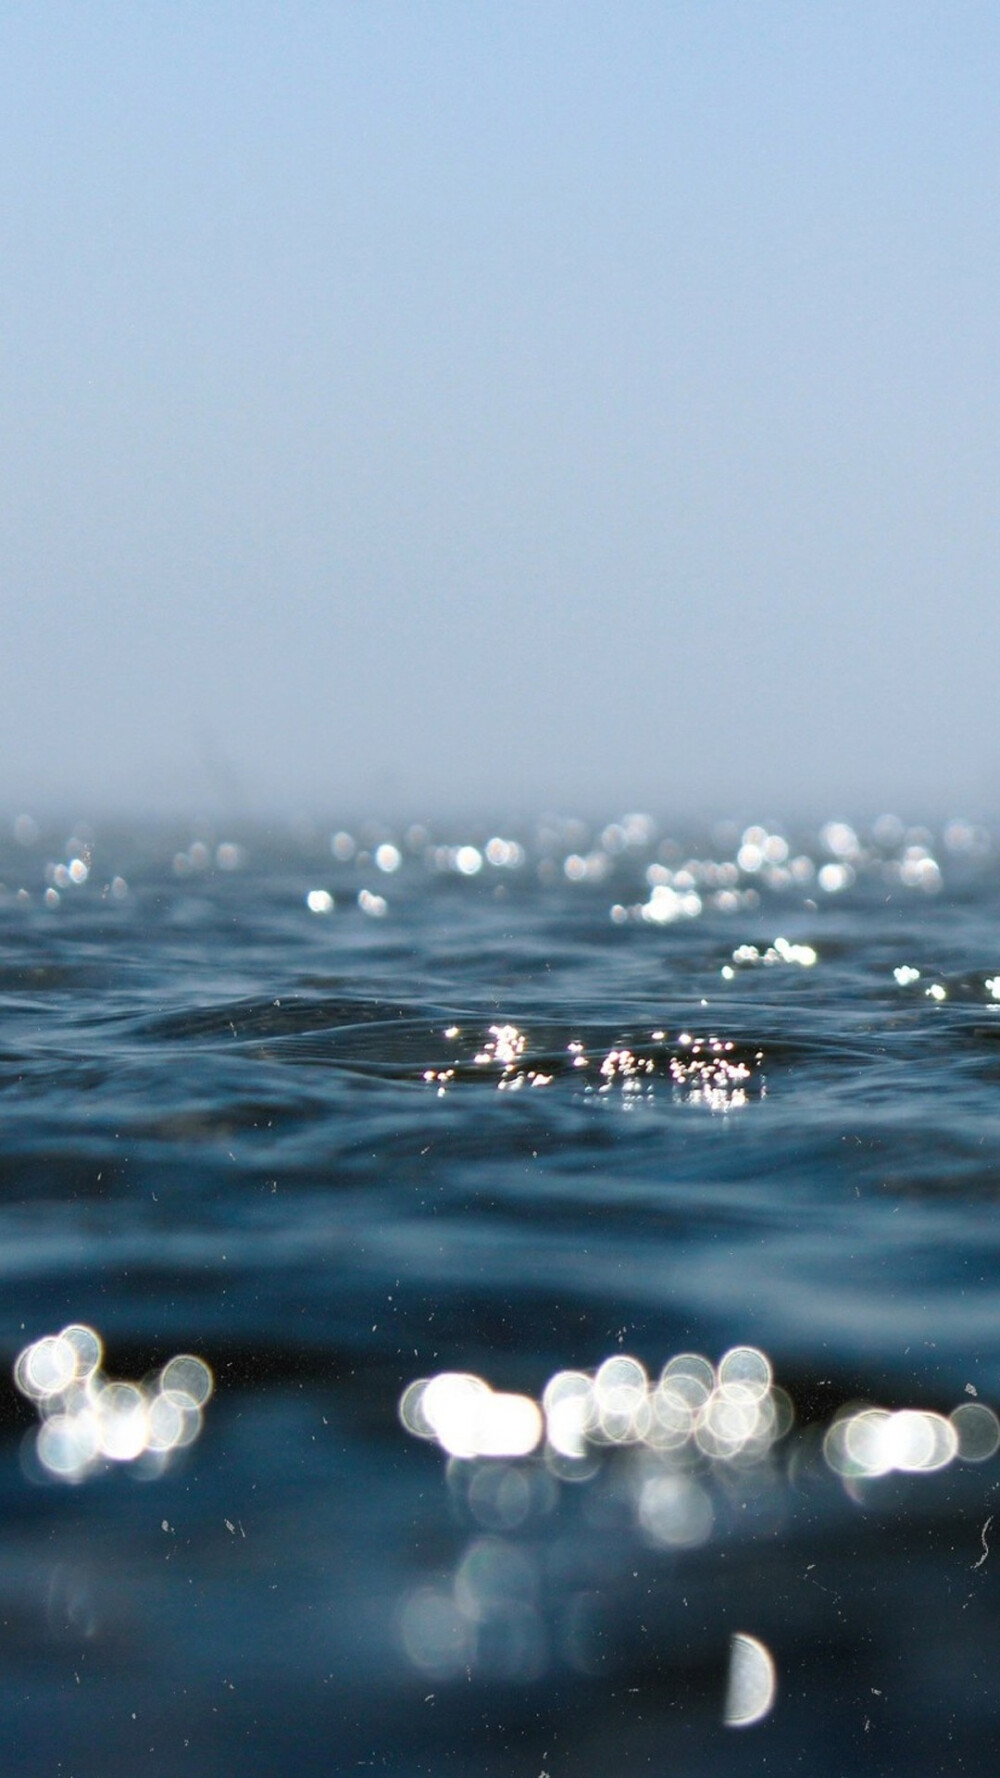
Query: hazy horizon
455	410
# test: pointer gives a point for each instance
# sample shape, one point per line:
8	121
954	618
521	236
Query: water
336	1117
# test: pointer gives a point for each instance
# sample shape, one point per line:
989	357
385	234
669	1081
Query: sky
500	406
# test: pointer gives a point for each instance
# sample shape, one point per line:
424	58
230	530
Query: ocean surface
531	1291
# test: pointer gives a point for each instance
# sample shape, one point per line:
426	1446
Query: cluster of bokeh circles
868	1442
728	1412
90	1421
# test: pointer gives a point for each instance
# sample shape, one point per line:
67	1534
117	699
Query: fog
502	406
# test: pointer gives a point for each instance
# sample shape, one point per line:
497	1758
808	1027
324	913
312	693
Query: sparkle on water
681	1445
679	886
684	1443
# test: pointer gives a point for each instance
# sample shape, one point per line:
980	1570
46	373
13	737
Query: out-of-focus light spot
735	1414
965	837
343	846
510	1426
834	877
320	901
570	1411
78	870
918	870
782	951
411	1411
468	860
87	1418
435	1634
388	857
49	1366
504	854
621	1393
840	839
468	1419
936	992
502	1496
906	974
375	906
122	1421
785	952
674	1511
751	1683
495	1589
51	898
119	889
189	1376
591	867
639	829
747	1366
666	905
992	986
871	1442
917	1441
229	856
977	1430
67	1446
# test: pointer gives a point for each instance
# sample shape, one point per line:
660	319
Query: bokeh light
90	1420
751	1683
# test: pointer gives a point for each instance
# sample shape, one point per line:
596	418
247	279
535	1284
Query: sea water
579	1246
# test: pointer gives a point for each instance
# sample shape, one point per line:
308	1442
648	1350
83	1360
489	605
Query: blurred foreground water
591	1239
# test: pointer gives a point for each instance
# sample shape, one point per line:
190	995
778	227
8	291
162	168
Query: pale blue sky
500	404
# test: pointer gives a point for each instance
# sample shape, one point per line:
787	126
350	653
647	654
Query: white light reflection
676	1439
375	906
751	1682
733	1414
489	1619
708	1071
680	1451
977	1430
674	1511
782	951
87	1418
869	1442
463	1415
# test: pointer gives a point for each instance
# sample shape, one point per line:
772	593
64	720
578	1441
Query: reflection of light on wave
705	1071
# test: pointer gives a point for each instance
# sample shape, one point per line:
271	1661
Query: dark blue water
504	1102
